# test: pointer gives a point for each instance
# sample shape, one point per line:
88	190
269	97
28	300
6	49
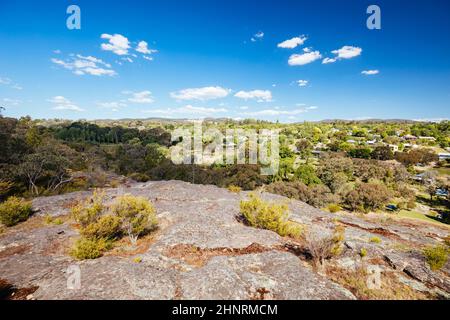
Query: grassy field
445	171
419	216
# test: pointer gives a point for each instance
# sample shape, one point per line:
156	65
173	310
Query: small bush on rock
48	219
322	247
265	215
86	248
14	210
89	211
436	256
333	208
137	215
132	215
375	240
363	252
107	227
234	189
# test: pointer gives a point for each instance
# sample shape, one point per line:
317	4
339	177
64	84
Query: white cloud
260	95
202	94
62	103
113	105
328	60
10	83
57	51
436	120
370	72
188	110
97	72
280	112
257	36
142	47
12	102
117	43
305	58
302	83
243	108
148	58
292	43
275	112
346	52
81	65
142	97
93	60
5	81
128	59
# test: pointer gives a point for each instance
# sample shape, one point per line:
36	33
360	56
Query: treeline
440	131
36	160
355	184
88	132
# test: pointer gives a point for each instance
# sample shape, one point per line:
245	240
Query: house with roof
443	156
393	147
427	138
441	192
409	137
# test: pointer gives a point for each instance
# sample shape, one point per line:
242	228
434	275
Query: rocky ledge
201	250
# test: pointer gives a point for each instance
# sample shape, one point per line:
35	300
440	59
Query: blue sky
193	59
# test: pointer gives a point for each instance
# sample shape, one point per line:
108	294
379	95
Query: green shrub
137	215
107	227
234	189
447	240
264	215
89	248
411	204
322	247
48	219
367	197
337	239
333	208
14	210
436	256
307	175
315	195
139	177
5	188
363	252
89	211
401	205
375	240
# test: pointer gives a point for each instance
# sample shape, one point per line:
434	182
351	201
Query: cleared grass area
419	216
445	171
